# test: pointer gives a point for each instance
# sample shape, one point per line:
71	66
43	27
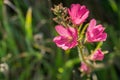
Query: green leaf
28	24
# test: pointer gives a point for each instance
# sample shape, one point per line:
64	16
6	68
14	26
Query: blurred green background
28	53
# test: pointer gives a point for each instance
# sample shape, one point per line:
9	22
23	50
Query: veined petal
61	41
97	55
78	13
95	33
85	16
91	25
67	39
100	27
72	31
61	30
104	36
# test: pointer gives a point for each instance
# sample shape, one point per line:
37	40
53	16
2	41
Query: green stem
79	29
80	52
98	46
82	32
81	55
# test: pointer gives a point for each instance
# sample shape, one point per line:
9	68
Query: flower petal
91	25
95	33
61	42
61	30
104	36
78	13
98	55
85	68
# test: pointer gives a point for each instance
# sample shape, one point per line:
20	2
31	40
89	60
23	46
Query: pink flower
68	37
95	32
85	68
97	55
78	13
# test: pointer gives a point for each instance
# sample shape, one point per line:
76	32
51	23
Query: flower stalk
72	33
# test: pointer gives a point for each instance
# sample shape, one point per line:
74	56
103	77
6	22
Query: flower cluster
72	33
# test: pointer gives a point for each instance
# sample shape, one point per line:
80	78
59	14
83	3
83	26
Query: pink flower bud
68	37
85	68
97	55
78	13
95	32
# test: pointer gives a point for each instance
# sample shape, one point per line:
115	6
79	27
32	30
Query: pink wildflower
68	37
95	33
85	68
97	55
78	13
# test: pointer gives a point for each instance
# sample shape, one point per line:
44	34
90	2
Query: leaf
28	24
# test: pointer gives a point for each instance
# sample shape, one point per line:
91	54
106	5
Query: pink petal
95	33
84	17
72	31
103	37
89	37
61	30
98	55
100	27
67	39
69	12
91	25
74	10
77	21
78	13
82	11
73	44
85	68
64	43
60	42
